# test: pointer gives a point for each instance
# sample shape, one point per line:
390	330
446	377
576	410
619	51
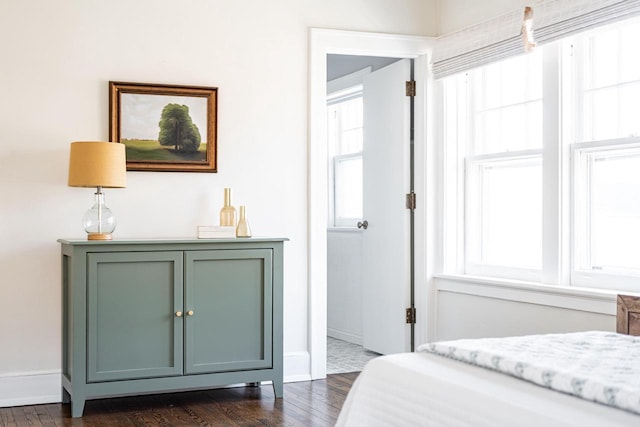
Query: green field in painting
146	150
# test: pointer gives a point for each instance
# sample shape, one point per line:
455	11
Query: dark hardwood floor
305	404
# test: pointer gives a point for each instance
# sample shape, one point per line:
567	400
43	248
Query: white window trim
452	171
560	224
621	279
347	81
340	90
339	221
554	214
488	270
570	297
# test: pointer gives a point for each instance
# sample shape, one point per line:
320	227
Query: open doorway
324	42
346	221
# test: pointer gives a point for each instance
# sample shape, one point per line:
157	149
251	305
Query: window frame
342	221
457	176
334	99
474	213
562	177
581	274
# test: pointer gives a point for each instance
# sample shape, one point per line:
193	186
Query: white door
386	247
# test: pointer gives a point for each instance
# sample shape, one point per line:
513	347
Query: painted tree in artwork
178	130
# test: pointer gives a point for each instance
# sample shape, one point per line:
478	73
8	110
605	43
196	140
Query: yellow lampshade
97	164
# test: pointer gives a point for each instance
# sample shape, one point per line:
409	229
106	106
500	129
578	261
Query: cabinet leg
77	407
253	385
278	388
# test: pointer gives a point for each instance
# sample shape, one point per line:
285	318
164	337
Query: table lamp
98	164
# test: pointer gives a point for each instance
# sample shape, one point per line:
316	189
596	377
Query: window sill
344	230
576	298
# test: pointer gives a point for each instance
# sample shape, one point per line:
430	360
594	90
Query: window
504	220
609	88
495	120
345	152
608	208
542	153
606	158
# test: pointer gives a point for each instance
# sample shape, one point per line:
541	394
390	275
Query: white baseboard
344	336
36	388
30	389
297	367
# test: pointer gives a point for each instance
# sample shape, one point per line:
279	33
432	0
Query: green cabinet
131	298
150	316
228	288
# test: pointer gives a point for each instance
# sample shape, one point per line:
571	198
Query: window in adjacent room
345	136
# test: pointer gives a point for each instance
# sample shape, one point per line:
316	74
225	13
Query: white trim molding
472	307
344	336
582	299
35	388
31	388
323	42
297	366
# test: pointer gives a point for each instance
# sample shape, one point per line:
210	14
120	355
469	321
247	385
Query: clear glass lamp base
99	222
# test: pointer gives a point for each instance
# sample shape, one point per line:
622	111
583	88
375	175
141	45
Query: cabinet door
230	294
133	330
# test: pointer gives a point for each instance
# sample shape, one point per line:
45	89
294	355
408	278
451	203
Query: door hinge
411	315
410	88
411	201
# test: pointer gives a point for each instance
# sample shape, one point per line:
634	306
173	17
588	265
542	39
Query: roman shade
500	38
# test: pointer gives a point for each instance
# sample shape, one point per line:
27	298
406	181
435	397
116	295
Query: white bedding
421	389
598	366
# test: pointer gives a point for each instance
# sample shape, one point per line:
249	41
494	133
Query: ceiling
341	65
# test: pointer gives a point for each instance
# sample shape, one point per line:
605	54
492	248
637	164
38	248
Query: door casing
323	42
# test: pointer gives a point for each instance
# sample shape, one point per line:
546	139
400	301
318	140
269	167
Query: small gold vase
243	229
228	212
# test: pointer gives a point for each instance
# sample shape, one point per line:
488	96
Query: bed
435	388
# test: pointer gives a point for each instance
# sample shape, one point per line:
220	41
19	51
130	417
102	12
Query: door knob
190	313
363	224
178	314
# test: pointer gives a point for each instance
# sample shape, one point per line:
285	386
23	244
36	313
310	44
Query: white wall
473	309
454	15
57	58
344	285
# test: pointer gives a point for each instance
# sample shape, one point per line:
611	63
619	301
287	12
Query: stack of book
216	232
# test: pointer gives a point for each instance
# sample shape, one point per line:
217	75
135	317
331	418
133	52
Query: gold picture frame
162	126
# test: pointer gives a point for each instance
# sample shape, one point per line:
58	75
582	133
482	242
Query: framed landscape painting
165	127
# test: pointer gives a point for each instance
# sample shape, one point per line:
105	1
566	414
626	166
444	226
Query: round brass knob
190	313
178	314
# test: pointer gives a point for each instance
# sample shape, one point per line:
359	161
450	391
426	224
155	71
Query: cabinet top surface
176	240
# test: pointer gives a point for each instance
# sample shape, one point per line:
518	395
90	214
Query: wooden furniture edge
628	315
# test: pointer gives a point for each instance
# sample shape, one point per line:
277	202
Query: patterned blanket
599	366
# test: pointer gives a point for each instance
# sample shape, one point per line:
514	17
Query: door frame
323	42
